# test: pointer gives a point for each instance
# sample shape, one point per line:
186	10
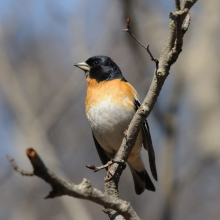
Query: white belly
108	123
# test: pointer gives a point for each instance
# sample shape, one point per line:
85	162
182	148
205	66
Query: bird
110	105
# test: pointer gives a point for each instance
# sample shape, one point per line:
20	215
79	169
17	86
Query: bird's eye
96	63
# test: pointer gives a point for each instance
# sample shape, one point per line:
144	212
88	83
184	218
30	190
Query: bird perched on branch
110	104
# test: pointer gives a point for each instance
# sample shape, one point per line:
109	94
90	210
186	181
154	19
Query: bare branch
129	31
92	167
173	43
169	55
145	47
152	58
83	190
16	168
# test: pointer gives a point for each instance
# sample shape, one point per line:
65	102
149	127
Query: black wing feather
147	142
103	154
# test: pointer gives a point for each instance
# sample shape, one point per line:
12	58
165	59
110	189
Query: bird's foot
110	175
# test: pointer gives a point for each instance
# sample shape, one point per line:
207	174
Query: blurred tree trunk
203	77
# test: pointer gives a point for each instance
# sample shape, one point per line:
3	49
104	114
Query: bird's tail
142	180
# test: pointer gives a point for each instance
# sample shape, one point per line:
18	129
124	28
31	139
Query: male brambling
110	105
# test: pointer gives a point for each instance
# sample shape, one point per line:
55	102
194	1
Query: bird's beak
84	66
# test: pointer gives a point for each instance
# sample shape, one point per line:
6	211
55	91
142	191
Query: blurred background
42	104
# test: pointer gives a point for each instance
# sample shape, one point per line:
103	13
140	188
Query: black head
101	68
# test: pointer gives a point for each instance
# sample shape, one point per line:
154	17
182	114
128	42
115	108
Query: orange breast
120	92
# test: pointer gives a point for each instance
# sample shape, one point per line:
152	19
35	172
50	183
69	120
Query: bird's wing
147	142
103	154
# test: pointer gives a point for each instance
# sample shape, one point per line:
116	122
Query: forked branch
83	190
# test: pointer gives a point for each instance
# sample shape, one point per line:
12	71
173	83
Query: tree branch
169	55
96	169
167	58
83	190
139	42
16	168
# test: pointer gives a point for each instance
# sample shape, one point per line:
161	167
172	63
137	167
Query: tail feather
142	180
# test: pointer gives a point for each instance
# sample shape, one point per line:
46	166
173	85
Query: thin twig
16	168
152	58
92	167
139	42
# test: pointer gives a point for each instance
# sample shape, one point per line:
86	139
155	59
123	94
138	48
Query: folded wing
147	142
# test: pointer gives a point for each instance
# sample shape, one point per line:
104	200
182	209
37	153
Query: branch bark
169	55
